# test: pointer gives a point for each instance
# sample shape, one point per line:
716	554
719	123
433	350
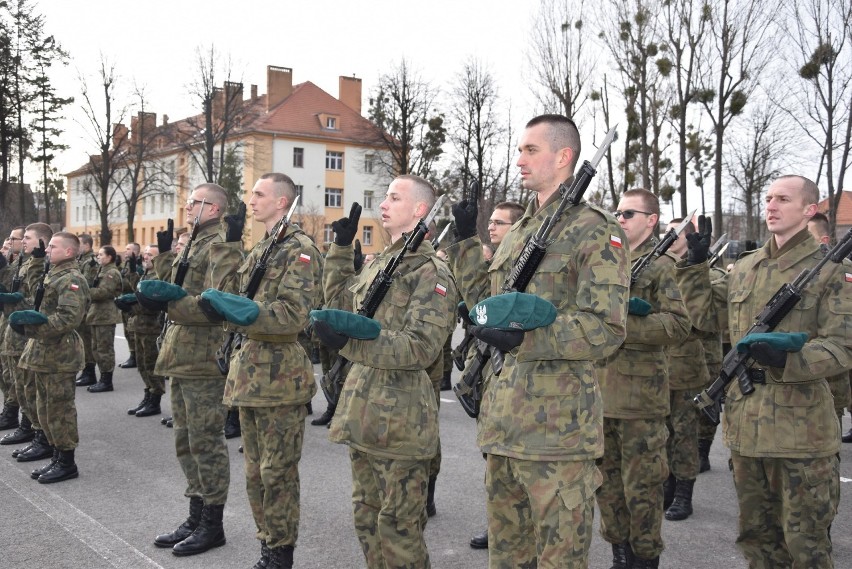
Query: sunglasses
629	213
498	222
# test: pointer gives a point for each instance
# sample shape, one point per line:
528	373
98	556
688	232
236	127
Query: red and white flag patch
441	289
849	277
305	258
615	241
75	287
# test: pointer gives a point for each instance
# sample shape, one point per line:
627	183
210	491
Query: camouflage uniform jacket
635	379
388	406
31	271
792	414
546	403
684	370
102	310
129	279
271	368
189	348
142	320
7	273
88	265
56	346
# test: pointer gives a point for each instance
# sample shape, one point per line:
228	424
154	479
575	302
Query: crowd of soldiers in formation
595	357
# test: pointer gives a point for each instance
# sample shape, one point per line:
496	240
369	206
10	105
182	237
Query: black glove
124	305
93	262
464	214
41	251
766	355
345	228
328	335
165	238
208	310
698	243
503	340
464	314
358	257
19	328
150	304
96	282
132	263
236	223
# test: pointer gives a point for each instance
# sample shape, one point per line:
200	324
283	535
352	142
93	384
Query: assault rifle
332	382
39	292
459	353
736	365
18	278
223	355
437	240
469	389
718	249
662	246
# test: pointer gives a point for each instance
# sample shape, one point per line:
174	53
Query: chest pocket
803	317
741	313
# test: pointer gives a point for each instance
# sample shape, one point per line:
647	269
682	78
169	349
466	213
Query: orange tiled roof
844	210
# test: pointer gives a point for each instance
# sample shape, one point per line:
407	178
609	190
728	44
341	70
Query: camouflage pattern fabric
272	442
448	354
10	392
56	410
553	500
436	373
839	387
389	505
631	496
85	332
103	346
129	280
682	424
88	265
146	326
102	310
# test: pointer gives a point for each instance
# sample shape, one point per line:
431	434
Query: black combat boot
263	562
64	469
105	384
23	434
280	557
207	535
622	556
847	437
87	377
152	407
38	450
681	507
430	498
170	423
129	362
232	423
326	417
43	469
446	385
185	529
704	455
9	417
668	491
309	407
646	563
132	410
480	540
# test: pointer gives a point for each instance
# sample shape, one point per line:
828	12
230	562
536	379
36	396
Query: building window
368	199
368	163
162	203
330	122
78	214
367	237
333	197
333	160
327	233
300	193
298	158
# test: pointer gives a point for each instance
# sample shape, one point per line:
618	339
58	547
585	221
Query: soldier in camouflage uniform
186	357
36	238
88	265
541	422
271	376
103	316
635	387
54	354
387	412
784	437
12	271
131	271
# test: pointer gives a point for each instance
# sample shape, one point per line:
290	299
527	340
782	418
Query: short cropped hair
810	191
43	230
70	240
562	133
423	190
216	194
515	210
820	221
86	239
649	201
283	185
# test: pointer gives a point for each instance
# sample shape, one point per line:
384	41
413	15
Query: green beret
638	306
160	291
234	308
27	317
348	323
11	297
785	341
129	298
513	311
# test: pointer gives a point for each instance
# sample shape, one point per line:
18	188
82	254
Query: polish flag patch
305	258
75	287
615	241
849	277
441	289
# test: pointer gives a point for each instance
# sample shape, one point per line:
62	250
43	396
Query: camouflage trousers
57	412
435	462
786	507
129	335
85	332
25	388
7	380
682	446
540	513
631	498
199	420
706	427
103	346
389	509
272	442
145	346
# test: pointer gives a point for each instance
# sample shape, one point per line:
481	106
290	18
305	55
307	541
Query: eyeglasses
498	222
629	213
16	239
190	203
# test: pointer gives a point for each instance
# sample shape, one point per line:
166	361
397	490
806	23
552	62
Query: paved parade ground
130	489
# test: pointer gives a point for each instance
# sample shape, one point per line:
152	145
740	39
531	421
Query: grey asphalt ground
130	489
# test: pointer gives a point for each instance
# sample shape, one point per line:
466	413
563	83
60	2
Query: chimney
350	92
134	130
119	135
142	127
165	119
218	102
279	85
254	92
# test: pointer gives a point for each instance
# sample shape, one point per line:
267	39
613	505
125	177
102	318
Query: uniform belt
274	338
757	376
